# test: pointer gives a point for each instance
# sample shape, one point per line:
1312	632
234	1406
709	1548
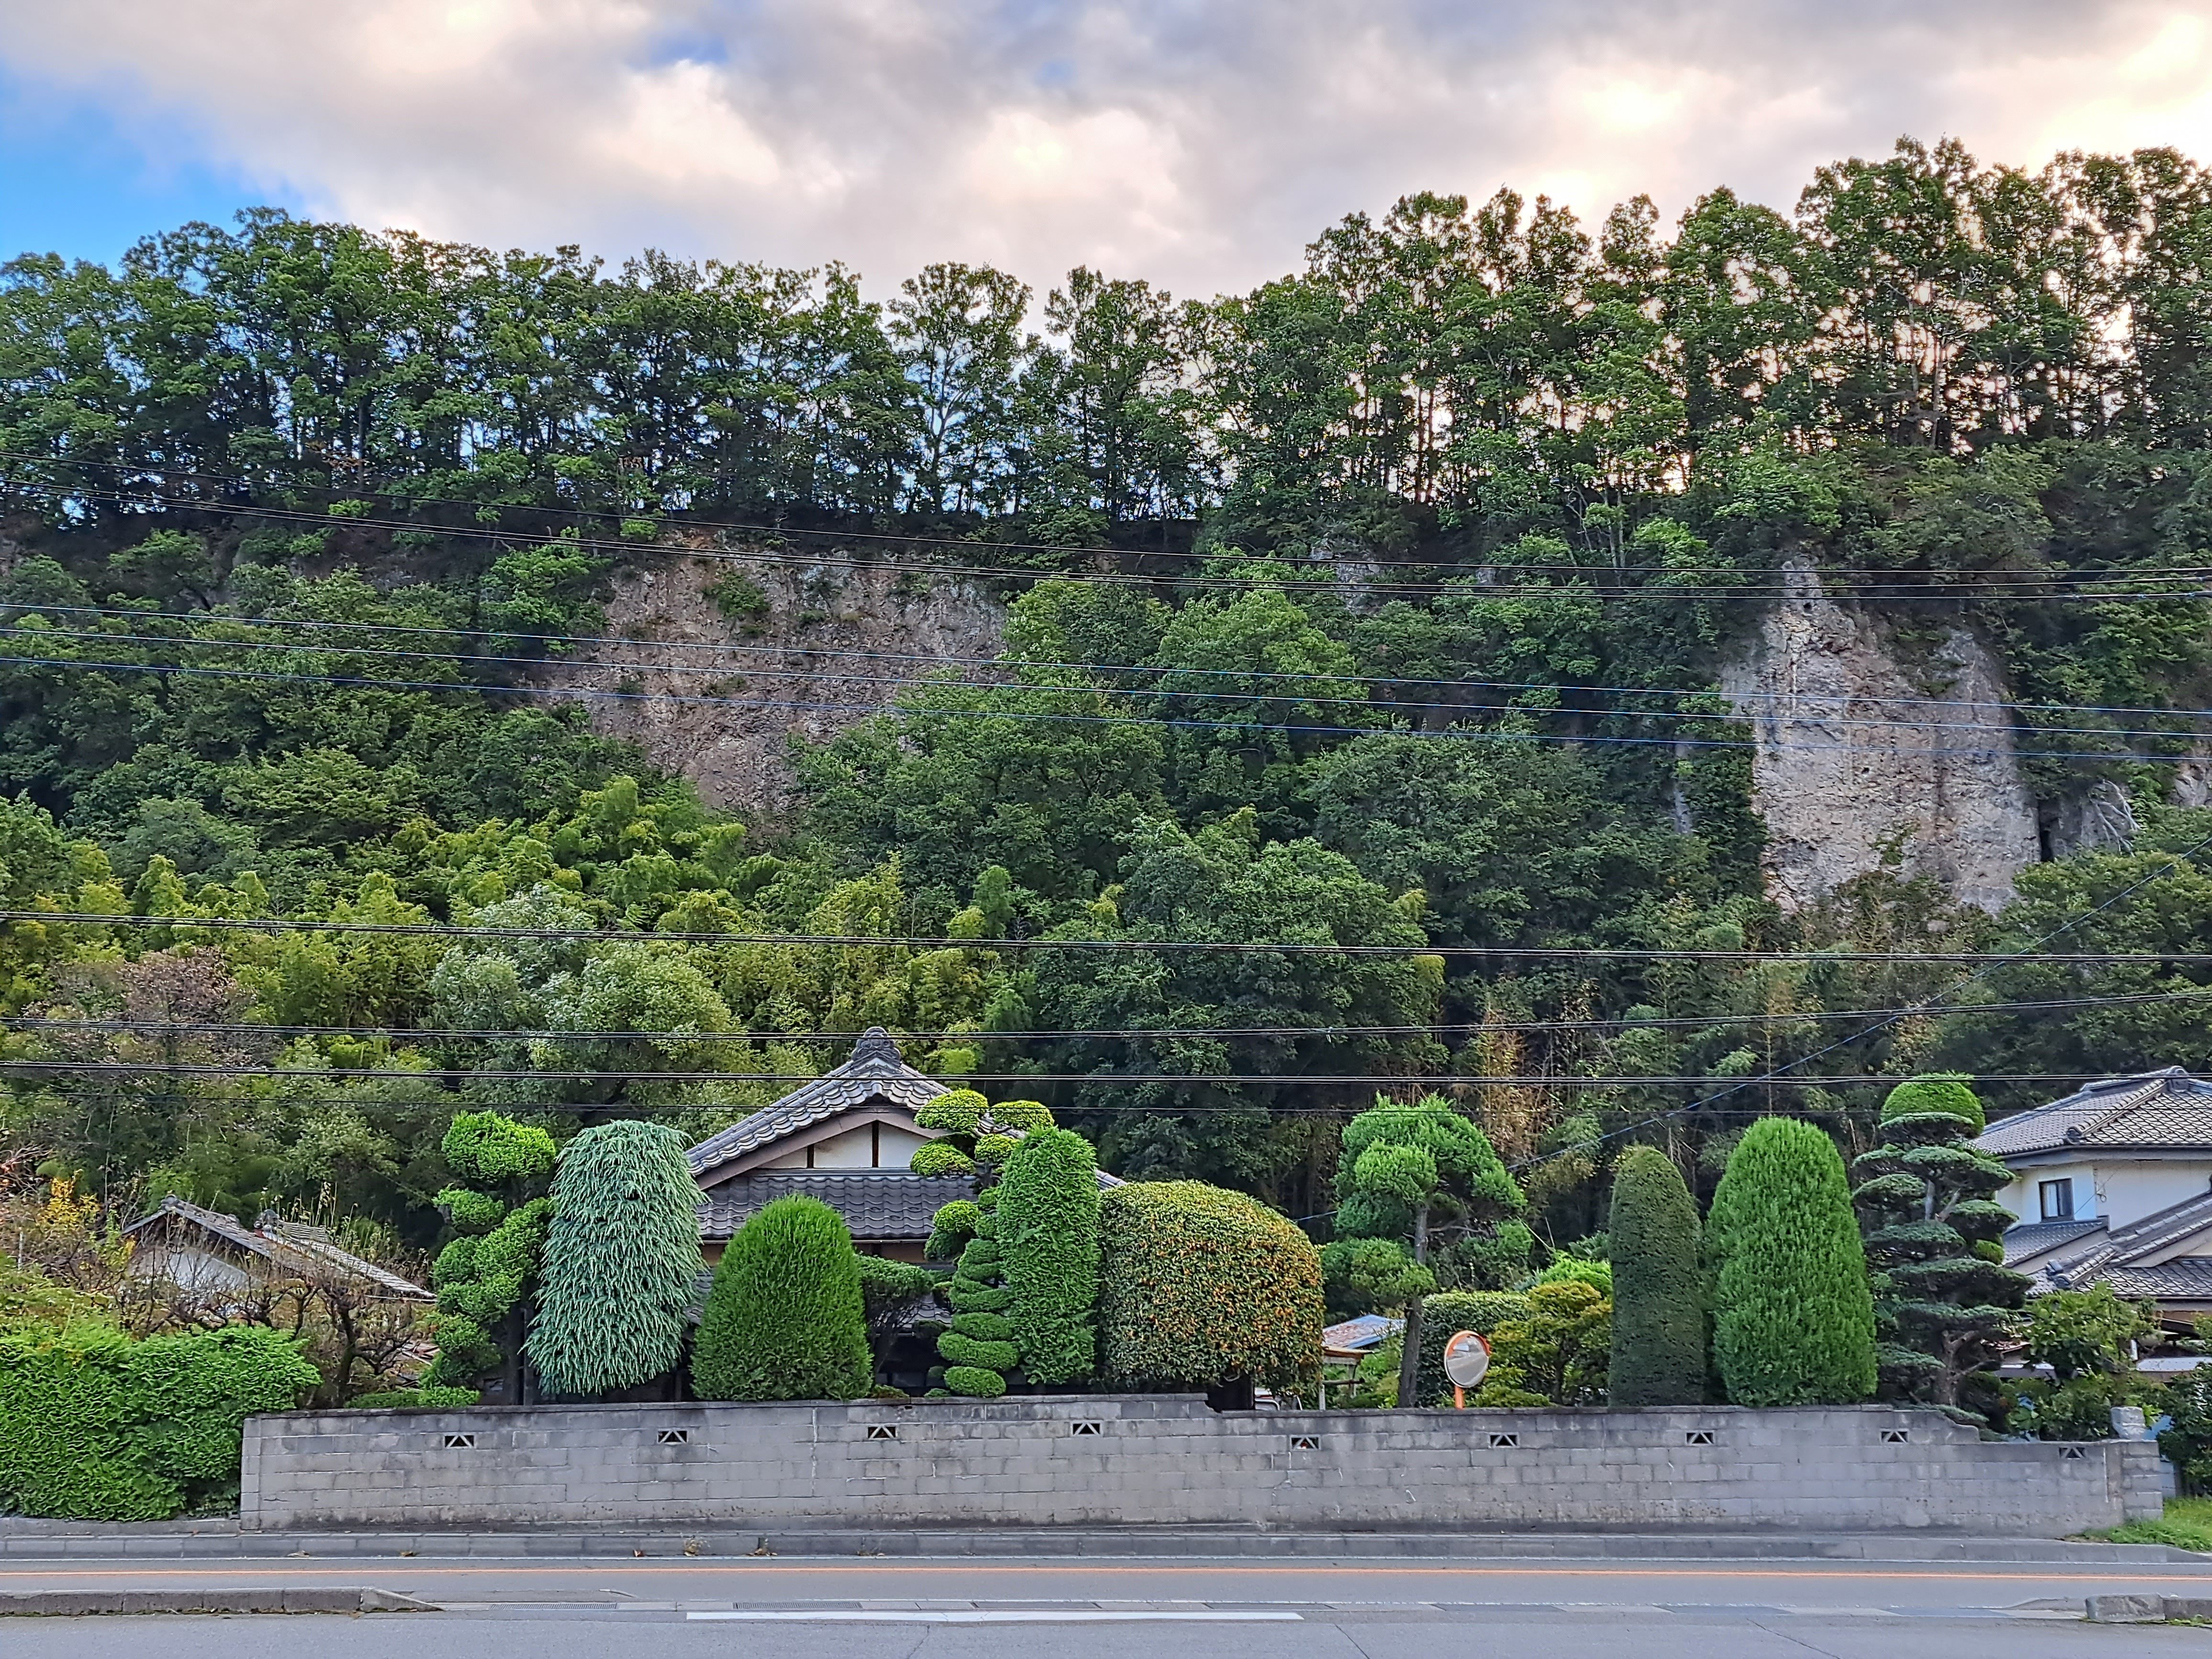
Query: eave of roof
875	1071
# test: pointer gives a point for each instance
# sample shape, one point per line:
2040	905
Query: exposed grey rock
2096	819
1937	793
731	741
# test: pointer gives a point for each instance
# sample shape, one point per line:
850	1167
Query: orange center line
325	1565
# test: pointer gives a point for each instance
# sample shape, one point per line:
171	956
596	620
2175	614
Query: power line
1133	1079
906	538
940	941
1179	671
1450	735
1352	684
1721	593
33	1024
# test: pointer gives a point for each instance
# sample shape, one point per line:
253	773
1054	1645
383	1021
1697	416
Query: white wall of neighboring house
2023	1199
2122	1191
193	1270
869	1146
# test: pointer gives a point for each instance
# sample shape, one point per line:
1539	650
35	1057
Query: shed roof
293	1246
2166	1110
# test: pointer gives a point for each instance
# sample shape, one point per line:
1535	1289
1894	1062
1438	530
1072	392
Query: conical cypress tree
1658	1284
622	1261
785	1319
1943	1296
1048	1222
1793	1321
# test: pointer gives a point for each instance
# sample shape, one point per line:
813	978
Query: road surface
1131	1609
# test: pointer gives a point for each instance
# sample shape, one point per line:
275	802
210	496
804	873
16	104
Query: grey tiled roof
2157	1109
874	1072
875	1203
2035	1237
288	1245
2123	1250
2183	1278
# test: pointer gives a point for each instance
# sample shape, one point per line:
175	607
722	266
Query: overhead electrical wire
1349	677
1718	593
941	941
36	1023
1030	716
904	537
1350	682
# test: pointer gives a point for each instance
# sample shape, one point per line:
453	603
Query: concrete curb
301	1598
21	1541
2147	1609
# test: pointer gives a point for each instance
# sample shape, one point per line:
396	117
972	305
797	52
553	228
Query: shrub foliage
785	1318
622	1260
979	1349
94	1426
1793	1321
1446	1314
1197	1285
1658	1286
1048	1237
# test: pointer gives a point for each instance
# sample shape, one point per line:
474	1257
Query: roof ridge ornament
876	1044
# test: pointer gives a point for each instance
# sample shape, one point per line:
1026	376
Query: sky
1200	143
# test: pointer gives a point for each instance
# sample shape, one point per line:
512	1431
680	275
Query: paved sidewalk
220	1538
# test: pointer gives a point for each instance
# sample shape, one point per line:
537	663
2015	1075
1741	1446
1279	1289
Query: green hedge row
94	1426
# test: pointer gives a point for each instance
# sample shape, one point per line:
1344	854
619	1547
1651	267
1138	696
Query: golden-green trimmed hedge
1198	1284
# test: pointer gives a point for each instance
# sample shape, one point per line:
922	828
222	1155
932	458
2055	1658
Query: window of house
2058	1198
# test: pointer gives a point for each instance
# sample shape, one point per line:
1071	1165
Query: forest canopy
1377	613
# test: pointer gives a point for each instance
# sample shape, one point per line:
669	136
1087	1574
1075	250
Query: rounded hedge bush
785	1319
1658	1284
1197	1285
1793	1314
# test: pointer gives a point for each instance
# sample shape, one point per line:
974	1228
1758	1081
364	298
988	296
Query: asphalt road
1132	1610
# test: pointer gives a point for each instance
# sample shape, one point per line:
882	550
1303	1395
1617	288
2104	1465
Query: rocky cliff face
762	650
1843	793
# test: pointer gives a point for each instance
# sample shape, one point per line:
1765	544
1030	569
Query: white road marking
1071	1616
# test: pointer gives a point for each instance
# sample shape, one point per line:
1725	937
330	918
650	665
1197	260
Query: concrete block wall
1169	1459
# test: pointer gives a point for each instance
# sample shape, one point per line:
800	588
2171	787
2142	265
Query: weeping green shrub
94	1426
1793	1315
622	1261
1048	1217
785	1318
1658	1284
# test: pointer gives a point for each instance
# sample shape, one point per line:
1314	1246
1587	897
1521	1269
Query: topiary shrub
1554	1354
950	1228
1048	1217
622	1261
1446	1314
94	1426
785	1318
1197	1285
1945	1303
484	1278
978	1349
1793	1316
973	1136
1658	1286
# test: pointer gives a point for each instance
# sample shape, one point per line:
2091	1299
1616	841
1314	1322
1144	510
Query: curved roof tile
875	1071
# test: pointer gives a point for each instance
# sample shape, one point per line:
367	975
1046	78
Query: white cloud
1200	144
